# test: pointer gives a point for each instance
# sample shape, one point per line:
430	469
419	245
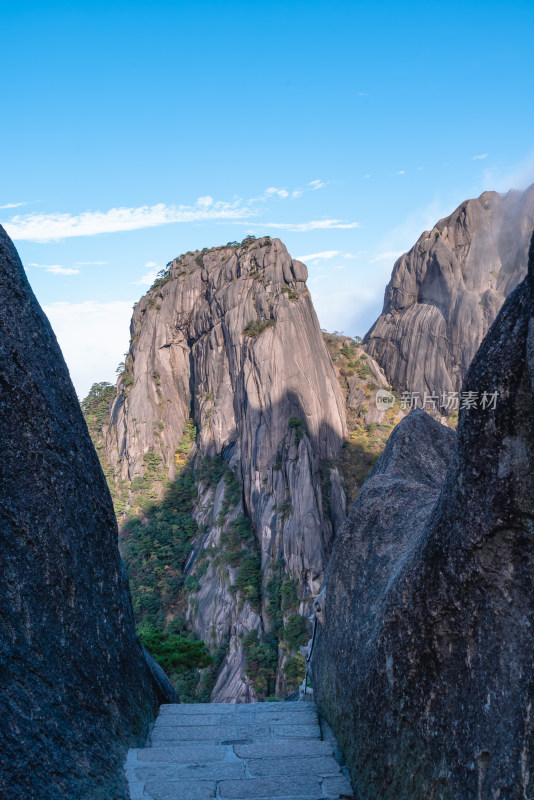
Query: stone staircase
236	752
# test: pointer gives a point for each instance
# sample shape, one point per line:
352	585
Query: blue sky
134	131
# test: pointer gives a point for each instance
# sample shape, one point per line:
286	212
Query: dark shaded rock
75	690
424	663
446	291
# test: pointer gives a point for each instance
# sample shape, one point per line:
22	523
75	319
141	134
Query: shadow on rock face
424	663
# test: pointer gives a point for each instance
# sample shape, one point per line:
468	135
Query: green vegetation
284	509
294	670
248	241
186	443
453	419
288	627
365	442
240	533
210	470
174	653
257	326
156	537
291	293
261	662
156	541
162	278
125	373
95	408
209	676
299	426
362	450
295	631
248	581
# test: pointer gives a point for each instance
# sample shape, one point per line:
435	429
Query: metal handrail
308	657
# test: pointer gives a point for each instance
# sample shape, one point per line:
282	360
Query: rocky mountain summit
226	420
423	664
446	291
75	688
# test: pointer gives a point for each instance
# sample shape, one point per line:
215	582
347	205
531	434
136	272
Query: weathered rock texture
446	291
230	339
75	689
424	664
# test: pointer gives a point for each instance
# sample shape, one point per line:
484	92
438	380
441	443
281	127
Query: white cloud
56	269
93	337
401	172
367	176
54	226
363	94
283	193
314	225
272	191
205	202
317	256
13	205
481	157
388	255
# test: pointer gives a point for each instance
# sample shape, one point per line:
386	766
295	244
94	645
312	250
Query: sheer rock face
75	689
190	357
446	291
425	658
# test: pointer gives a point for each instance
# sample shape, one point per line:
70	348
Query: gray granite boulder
424	662
75	689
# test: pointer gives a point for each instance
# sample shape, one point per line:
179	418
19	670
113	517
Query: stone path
236	752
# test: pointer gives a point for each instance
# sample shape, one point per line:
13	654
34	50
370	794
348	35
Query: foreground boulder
425	656
75	688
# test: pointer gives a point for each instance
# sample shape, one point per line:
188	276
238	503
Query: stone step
223	734
190	720
258	751
186	709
